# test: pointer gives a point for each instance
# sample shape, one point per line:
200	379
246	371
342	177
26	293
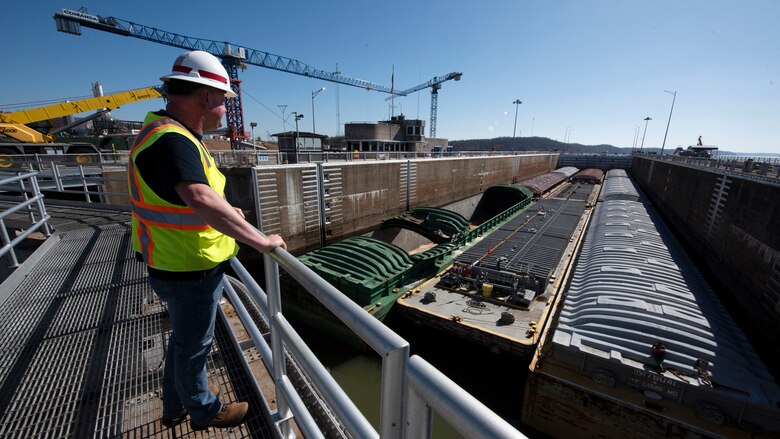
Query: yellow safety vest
172	237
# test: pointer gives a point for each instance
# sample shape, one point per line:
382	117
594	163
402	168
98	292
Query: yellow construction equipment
26	140
14	124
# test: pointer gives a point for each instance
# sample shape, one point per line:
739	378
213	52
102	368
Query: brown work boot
231	415
177	418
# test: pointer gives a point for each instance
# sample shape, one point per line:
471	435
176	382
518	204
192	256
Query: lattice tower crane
435	85
233	57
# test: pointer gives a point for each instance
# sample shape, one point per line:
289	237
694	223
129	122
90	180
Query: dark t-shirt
172	159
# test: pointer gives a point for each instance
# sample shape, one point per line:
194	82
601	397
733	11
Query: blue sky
594	69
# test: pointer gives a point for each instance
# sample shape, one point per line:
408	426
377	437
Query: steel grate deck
82	346
66	217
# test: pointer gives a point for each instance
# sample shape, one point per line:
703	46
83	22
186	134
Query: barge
500	291
374	271
642	347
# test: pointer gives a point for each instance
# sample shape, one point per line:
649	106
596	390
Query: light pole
297	118
674	97
284	119
636	137
253	125
647	119
517	103
314	95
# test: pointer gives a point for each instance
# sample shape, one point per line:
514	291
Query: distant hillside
546	144
531	144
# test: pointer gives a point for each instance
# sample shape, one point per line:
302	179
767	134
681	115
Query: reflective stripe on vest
147	245
171	220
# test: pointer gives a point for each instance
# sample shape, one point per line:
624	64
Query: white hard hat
203	68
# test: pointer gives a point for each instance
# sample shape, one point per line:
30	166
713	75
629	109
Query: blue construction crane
435	85
233	56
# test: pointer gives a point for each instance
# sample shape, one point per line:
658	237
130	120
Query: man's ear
203	95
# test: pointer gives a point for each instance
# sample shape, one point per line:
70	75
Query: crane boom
13	124
435	85
232	55
111	101
436	80
70	21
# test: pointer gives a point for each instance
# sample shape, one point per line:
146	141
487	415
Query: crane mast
232	57
435	86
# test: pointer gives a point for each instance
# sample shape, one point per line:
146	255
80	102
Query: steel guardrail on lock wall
87	175
29	200
411	389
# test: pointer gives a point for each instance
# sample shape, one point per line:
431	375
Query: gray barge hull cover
632	286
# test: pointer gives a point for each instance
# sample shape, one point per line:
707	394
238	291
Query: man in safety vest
186	232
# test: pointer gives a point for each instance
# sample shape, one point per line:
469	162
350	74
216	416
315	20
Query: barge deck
499	291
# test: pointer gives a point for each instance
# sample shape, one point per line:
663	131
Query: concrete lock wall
730	224
316	204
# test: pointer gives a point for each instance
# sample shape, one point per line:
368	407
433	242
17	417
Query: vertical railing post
41	207
101	187
418	416
25	197
277	346
7	243
55	174
47	230
84	183
393	393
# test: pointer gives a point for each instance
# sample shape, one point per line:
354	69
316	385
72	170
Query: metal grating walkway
81	348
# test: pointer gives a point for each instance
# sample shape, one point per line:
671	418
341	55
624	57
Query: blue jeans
192	308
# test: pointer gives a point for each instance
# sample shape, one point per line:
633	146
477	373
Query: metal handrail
29	197
466	414
406	381
72	177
